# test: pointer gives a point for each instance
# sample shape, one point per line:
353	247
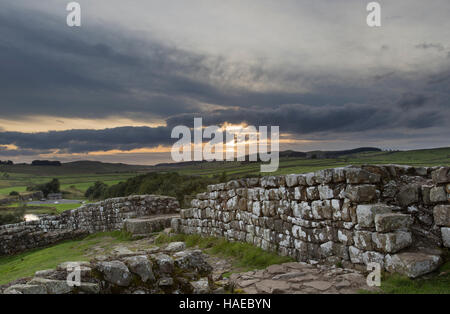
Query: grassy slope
246	256
40	209
26	264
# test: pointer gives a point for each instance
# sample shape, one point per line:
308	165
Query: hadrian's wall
106	215
394	215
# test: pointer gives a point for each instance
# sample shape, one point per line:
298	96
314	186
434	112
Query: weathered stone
356	255
438	194
366	213
361	193
192	260
141	266
45	273
322	210
71	265
441	175
272	286
363	240
373	257
89	288
445	233
26	289
408	195
200	286
392	222
175	247
359	176
275	269
312	193
292	180
412	264
441	215
52	286
391	242
165	282
115	272
325	192
165	263
319	285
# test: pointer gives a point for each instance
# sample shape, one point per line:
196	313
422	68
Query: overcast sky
113	89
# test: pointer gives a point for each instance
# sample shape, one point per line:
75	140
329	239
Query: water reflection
30	217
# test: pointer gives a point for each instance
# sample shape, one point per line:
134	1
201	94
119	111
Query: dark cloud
411	101
80	141
425	46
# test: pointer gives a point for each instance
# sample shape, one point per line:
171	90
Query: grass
41	209
6	191
245	256
27	263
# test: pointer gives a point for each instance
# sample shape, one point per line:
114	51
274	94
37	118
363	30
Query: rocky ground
140	266
300	278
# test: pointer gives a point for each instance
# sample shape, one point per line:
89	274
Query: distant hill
340	153
76	167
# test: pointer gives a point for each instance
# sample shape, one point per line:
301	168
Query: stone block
392	222
363	240
391	242
325	192
408	194
360	176
441	175
361	193
438	194
322	210
366	213
292	180
52	286
445	232
412	264
441	215
115	272
25	289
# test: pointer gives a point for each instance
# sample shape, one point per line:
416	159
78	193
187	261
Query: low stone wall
352	215
106	215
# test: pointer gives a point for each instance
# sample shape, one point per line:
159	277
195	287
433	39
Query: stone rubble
185	271
300	278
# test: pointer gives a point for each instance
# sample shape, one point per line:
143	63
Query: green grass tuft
246	256
27	263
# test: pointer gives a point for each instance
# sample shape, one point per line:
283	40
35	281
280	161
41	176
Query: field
427	157
77	177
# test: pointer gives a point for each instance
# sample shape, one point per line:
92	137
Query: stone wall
106	215
391	214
